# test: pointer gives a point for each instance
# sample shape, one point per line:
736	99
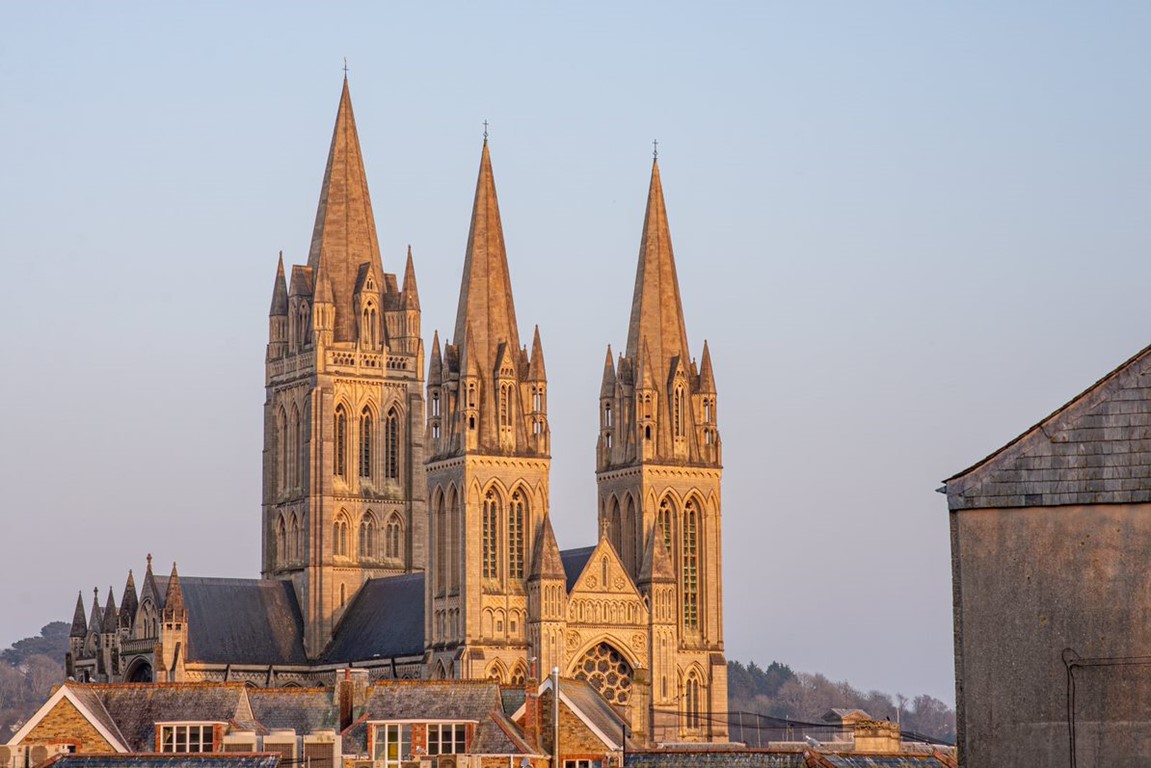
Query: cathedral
406	502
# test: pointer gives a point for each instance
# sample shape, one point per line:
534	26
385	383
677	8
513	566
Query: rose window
606	670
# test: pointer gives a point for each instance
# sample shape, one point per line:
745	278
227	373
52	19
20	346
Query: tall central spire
486	314
345	233
656	311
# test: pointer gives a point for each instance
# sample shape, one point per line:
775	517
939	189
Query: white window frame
186	735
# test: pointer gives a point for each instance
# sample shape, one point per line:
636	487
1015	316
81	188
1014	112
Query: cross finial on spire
345	67
485	131
655	149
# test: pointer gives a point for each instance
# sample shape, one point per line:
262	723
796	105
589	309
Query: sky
907	230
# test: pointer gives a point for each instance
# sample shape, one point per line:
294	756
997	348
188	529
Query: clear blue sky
909	230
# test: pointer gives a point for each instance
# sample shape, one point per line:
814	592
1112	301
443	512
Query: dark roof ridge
1038	426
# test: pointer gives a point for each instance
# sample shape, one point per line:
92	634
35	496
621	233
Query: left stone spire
344	236
344	417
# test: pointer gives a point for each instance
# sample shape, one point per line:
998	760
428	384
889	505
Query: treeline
779	692
28	670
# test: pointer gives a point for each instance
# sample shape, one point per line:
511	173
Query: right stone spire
658	475
661	407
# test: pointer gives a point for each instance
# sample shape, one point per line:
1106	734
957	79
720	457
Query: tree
52	642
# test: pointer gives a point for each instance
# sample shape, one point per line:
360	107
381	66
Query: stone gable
1096	449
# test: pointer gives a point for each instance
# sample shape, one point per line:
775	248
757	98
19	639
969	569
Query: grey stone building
1050	540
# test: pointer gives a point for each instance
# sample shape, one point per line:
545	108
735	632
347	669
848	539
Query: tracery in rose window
606	670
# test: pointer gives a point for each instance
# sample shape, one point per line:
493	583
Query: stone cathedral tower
488	445
344	415
658	472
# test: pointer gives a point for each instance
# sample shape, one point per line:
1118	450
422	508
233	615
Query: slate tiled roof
512	699
136	708
574	561
167	761
303	709
725	759
94	703
462	700
594	708
385	620
1096	449
243	621
881	761
757	758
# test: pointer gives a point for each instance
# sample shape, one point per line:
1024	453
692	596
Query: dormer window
187	737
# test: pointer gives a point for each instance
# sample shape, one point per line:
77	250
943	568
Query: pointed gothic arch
492	512
689	564
367	441
455	542
630	538
519	675
665	519
340	438
367	538
294	536
281	554
394	537
614	524
519	523
281	449
497	672
392	444
294	463
439	542
692	692
340	534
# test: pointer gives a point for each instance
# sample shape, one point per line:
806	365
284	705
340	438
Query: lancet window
393	539
692	719
516	520
366	443
678	409
665	522
340	536
368	536
340	432
490	534
690	564
392	445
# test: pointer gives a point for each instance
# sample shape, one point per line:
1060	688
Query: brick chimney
531	721
351	693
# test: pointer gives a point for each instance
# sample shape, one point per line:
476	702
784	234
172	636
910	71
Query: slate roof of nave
384	620
1096	449
243	621
575	560
258	621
